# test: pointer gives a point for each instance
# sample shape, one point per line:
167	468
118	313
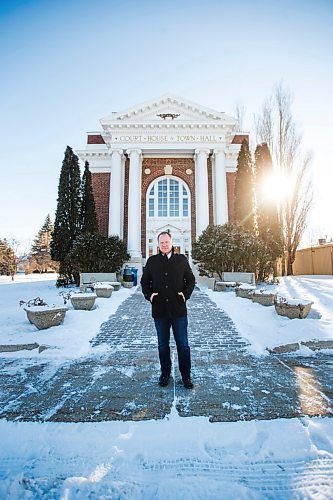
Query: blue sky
65	64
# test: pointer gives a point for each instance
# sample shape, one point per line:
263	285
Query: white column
201	190
220	188
134	204
122	207
115	193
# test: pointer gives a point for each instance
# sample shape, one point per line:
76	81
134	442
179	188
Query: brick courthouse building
165	164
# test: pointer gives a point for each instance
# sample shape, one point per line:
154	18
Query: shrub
93	253
225	248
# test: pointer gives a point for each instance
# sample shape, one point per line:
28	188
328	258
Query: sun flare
276	188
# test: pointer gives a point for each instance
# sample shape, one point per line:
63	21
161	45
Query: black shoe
188	384
164	379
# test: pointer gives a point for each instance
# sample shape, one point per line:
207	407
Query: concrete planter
116	285
220	287
244	292
44	317
83	301
128	284
293	311
104	291
265	299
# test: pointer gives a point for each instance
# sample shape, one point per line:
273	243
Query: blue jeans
179	328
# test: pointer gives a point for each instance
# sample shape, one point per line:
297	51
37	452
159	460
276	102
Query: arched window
168	198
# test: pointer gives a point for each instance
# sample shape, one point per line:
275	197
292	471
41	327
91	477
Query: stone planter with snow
103	290
263	297
116	285
292	308
220	286
44	316
83	301
244	291
128	284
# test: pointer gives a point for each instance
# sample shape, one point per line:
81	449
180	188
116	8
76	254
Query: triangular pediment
167	108
168	227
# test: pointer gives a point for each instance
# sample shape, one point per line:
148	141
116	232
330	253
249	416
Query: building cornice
86	153
165	99
170	125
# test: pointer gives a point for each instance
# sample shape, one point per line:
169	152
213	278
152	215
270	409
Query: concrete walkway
230	384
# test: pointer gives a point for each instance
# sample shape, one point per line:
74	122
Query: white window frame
181	185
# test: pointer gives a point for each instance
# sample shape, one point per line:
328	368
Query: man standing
167	282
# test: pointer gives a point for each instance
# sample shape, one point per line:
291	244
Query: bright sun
277	188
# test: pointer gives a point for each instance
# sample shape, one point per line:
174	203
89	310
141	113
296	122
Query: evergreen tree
244	202
8	259
88	210
268	224
67	219
40	255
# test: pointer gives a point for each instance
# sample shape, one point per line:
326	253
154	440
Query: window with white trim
168	198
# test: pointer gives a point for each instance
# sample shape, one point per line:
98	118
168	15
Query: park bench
88	279
231	279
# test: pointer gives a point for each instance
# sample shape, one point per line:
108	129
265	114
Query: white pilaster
134	204
201	191
220	188
116	197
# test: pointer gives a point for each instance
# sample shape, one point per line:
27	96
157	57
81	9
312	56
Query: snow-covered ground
173	458
71	339
263	328
176	458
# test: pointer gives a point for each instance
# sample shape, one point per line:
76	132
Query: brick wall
101	190
231	179
210	190
239	138
95	139
126	189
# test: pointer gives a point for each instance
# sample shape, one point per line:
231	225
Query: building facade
165	164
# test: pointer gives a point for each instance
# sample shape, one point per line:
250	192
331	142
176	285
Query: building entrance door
176	248
168	209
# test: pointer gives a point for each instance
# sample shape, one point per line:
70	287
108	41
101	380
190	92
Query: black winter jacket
167	277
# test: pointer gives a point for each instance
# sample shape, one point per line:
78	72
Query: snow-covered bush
37	301
226	248
93	253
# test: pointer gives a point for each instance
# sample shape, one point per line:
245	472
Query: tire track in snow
272	477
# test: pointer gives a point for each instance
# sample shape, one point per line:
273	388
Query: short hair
164	232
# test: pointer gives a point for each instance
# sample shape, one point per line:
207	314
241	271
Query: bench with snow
88	279
231	279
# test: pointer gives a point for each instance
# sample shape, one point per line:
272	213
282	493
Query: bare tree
264	125
239	111
275	126
295	211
